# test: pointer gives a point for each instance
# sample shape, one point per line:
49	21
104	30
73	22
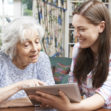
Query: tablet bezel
71	90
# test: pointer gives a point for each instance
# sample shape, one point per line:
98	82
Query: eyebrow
29	39
80	27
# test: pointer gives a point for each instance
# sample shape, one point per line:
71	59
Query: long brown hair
95	12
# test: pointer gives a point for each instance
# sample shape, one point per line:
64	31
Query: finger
42	105
35	83
45	106
38	98
48	106
45	103
45	95
63	96
41	83
33	97
43	100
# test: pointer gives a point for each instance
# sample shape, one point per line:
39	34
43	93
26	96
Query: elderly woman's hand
30	83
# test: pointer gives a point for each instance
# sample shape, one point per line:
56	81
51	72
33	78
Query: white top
10	74
87	88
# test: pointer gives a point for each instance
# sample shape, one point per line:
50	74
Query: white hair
14	32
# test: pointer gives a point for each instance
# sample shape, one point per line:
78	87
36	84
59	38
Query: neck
95	54
19	64
94	48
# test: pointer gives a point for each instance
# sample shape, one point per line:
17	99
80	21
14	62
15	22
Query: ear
101	26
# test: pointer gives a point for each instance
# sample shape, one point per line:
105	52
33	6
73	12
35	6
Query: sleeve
105	89
45	71
2	70
74	54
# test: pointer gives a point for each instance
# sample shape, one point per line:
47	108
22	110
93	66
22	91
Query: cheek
39	47
93	40
95	36
23	55
26	52
92	35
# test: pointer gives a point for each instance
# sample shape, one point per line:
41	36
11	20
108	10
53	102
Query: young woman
91	60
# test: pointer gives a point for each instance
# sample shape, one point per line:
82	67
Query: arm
19	102
10	90
62	103
92	103
74	54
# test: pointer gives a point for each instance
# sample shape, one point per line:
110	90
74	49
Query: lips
34	56
81	40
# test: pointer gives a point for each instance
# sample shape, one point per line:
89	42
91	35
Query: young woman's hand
61	103
30	83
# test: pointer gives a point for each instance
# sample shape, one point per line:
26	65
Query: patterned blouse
10	74
87	88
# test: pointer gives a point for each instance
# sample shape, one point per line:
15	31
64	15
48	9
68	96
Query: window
27	7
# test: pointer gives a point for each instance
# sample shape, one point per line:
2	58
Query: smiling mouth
81	40
33	56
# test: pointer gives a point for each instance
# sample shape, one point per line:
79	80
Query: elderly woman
22	64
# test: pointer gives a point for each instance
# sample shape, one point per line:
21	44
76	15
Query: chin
34	61
83	46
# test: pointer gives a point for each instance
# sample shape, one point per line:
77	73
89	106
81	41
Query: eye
82	29
26	44
37	41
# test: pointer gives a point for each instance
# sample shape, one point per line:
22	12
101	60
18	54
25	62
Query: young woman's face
28	51
86	32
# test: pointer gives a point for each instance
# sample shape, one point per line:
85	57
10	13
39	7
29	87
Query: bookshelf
72	4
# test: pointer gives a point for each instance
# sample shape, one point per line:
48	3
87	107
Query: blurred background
54	15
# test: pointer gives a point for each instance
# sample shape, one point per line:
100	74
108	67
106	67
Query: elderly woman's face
28	50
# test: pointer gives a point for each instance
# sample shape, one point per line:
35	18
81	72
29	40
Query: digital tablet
71	91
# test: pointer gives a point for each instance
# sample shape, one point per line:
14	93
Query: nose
34	47
76	33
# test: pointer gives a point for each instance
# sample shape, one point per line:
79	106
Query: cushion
62	60
60	73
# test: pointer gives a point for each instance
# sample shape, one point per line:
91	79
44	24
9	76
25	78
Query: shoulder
109	75
42	54
3	58
43	58
4	63
77	45
110	58
110	64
